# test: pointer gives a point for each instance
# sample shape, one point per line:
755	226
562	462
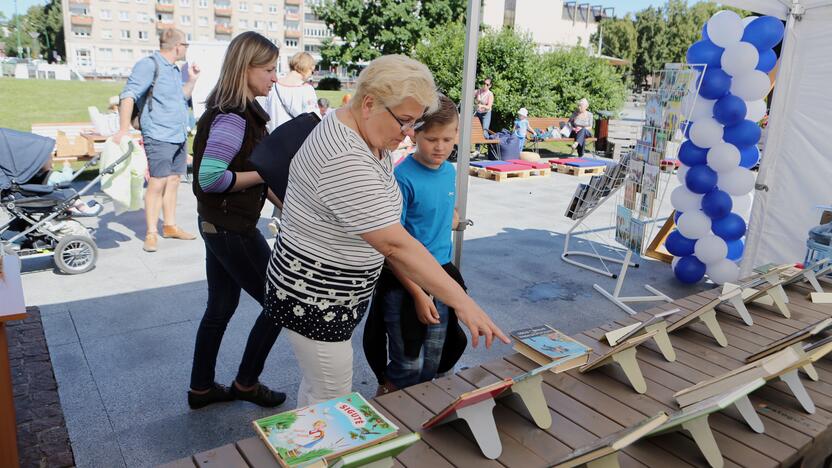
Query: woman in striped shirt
230	195
342	219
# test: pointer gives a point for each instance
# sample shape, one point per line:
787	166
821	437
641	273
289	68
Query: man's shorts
165	159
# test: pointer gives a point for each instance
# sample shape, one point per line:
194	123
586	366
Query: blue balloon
676	216
717	204
731	227
767	61
715	83
749	156
735	249
729	109
679	245
745	133
704	52
764	32
700	179
692	155
689	269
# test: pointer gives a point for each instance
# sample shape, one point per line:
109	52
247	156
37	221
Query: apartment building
106	37
552	23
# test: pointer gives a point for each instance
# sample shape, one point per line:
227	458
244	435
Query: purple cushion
487	163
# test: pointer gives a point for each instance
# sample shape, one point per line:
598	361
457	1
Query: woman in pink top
484	99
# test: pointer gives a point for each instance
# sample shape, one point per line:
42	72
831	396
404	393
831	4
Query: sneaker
150	241
260	395
174	232
216	394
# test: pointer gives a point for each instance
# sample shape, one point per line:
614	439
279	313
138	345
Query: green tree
619	38
574	74
45	20
372	28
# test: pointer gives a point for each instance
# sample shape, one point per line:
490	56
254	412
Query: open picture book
543	344
326	430
611	443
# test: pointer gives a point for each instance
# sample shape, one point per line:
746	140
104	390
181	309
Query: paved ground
121	336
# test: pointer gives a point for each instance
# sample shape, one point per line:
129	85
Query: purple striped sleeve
224	142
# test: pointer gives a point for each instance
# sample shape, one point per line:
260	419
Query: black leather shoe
218	393
259	395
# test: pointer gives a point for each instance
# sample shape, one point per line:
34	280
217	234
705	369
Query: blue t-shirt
521	127
428	197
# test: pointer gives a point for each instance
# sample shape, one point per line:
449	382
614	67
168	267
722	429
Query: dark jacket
413	331
234	211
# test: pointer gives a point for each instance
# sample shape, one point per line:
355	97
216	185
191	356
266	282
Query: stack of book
544	345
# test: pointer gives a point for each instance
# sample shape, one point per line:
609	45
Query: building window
141	1
105	53
203	20
106	34
142	17
291	43
124	16
81	32
203	3
189	37
105	14
258	25
272	26
125	34
185	3
243	24
509	13
143	35
273	9
243	6
83	57
185	20
126	53
258	8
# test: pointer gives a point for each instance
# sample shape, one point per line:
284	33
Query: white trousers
326	368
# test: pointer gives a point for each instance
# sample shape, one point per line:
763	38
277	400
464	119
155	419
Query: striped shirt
224	142
337	191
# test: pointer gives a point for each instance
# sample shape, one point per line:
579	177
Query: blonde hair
302	63
169	38
390	79
249	49
583	102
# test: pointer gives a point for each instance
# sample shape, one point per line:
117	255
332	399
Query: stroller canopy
21	156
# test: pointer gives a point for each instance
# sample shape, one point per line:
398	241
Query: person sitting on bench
581	123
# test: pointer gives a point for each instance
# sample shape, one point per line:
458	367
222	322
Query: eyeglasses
184	44
406	126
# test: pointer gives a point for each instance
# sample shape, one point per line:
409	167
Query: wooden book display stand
623	354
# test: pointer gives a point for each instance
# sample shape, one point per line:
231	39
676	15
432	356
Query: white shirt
285	102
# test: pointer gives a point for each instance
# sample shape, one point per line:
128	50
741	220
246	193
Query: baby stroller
36	219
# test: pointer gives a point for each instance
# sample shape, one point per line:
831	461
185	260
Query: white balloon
723	157
706	133
747	20
738	181
697	107
725	28
681	173
756	110
684	200
710	249
750	86
723	271
739	58
741	204
694	224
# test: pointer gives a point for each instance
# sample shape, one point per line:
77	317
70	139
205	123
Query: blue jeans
404	371
485	120
233	262
580	138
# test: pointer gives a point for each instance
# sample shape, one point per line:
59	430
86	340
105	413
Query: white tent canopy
796	168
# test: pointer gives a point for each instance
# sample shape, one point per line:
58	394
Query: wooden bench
478	136
543	123
587	406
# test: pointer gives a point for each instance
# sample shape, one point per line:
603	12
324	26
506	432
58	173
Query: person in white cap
521	127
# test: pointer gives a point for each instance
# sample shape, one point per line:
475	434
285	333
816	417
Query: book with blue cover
543	344
324	431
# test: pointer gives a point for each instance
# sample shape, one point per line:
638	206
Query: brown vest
234	211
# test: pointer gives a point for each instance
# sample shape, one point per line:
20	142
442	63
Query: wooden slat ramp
585	407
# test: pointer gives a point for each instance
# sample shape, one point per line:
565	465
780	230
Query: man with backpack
154	100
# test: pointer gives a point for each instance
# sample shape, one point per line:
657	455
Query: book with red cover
467	399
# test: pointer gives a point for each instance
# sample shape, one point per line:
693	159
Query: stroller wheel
75	254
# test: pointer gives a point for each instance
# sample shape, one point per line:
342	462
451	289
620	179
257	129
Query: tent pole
469	76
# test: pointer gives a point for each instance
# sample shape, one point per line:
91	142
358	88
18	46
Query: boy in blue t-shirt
428	185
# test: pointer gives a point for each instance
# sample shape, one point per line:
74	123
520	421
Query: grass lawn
24	102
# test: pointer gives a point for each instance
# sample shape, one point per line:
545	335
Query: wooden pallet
578	171
503	176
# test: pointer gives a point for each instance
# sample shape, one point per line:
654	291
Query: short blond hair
390	79
302	62
169	38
